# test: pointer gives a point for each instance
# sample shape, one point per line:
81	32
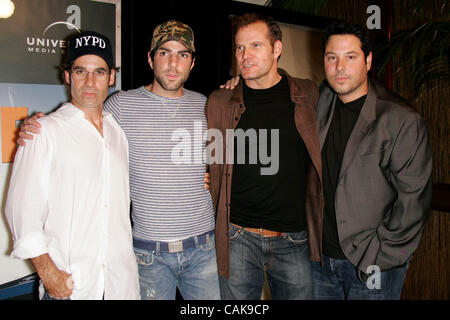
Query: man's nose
173	60
340	64
90	78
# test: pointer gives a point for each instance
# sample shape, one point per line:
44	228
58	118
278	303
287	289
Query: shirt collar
68	111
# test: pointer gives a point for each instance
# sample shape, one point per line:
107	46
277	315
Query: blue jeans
193	271
285	260
338	280
46	296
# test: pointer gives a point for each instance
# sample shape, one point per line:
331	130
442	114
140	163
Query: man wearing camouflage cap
173	218
173	30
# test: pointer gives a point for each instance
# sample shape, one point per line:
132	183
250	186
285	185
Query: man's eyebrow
252	42
83	68
170	50
347	52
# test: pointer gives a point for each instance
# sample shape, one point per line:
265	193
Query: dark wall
212	31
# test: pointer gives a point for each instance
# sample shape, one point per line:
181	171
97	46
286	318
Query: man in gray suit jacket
376	175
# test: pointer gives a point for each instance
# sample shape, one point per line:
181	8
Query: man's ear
150	62
369	61
67	77
112	77
192	64
277	48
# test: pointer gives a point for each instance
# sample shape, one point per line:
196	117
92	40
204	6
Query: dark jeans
285	260
338	279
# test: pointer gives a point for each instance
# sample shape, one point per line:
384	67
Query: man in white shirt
173	217
68	200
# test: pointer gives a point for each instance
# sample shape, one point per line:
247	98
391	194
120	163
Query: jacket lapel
325	110
236	95
362	126
306	122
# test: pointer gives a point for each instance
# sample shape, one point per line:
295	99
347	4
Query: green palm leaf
425	50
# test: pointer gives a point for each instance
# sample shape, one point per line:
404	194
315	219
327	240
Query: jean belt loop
158	244
196	241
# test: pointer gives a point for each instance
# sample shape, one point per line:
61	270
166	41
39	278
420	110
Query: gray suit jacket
383	194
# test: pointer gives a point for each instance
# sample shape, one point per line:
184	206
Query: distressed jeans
285	260
338	279
193	271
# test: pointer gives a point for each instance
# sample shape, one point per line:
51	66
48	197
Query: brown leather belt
262	232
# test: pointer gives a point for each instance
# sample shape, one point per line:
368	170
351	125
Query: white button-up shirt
69	197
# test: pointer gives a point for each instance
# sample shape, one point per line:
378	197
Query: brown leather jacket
223	111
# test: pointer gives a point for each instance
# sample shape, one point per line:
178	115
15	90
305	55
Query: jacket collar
327	103
237	96
369	111
363	125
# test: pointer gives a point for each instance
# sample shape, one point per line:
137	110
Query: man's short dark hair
341	28
250	18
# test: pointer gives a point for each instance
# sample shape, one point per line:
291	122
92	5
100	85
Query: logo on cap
90	41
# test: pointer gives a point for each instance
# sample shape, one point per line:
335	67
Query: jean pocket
211	244
234	232
297	238
143	258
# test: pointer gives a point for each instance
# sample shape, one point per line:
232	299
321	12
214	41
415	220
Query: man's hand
207	181
29	125
57	282
231	84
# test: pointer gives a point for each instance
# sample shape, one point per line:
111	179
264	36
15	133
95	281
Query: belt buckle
176	246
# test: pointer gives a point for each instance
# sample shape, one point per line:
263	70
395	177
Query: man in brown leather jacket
267	217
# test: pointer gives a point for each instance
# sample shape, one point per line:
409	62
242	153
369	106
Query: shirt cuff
30	246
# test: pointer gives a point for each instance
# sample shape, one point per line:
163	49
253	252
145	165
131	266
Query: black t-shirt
344	119
277	201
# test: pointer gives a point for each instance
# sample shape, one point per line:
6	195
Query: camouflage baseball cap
173	30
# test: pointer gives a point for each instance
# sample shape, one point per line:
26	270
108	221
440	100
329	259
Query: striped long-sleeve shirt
166	140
